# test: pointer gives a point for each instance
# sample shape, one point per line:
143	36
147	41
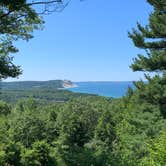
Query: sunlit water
108	89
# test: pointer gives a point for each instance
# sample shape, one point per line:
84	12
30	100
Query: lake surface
108	89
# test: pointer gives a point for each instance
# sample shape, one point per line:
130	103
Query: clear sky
88	41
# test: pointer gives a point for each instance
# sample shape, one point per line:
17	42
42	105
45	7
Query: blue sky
88	41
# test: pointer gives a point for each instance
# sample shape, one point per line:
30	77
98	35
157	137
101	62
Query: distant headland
25	85
68	84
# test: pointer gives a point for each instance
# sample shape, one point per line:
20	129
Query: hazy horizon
72	80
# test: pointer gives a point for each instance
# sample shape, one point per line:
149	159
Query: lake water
108	89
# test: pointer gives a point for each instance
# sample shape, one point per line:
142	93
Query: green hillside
44	92
42	96
26	85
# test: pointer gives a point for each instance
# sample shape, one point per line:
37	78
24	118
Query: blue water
108	89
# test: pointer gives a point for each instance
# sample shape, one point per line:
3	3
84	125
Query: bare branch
44	2
50	5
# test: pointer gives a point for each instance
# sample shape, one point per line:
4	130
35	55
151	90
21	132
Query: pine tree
152	38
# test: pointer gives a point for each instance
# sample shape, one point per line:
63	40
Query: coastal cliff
68	84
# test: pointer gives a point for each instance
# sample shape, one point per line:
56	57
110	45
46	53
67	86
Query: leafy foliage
17	21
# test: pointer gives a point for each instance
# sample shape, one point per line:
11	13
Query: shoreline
68	86
72	86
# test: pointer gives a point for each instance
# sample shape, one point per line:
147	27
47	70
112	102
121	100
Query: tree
4	108
26	126
18	19
10	154
156	151
152	38
38	155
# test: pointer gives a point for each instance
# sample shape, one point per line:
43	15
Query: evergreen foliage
152	38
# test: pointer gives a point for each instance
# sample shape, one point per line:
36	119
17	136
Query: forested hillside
44	92
42	96
83	131
30	85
